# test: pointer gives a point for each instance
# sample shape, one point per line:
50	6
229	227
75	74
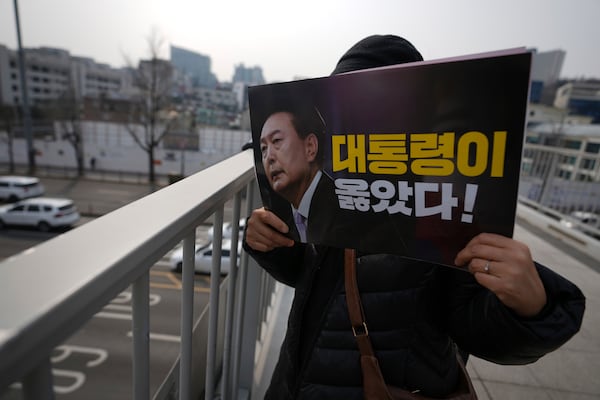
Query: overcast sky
305	38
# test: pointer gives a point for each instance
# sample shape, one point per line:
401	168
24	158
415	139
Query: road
96	362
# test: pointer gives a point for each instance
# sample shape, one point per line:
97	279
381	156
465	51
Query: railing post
229	315
38	385
211	351
187	315
141	337
241	296
247	311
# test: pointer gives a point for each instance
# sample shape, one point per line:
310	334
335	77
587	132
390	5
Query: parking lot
95	363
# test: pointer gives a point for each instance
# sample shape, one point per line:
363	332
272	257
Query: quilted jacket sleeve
284	263
481	325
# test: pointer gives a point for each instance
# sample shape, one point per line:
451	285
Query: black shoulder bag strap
374	386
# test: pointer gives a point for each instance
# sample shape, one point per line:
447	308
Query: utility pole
25	96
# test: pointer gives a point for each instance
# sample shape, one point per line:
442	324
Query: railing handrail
40	308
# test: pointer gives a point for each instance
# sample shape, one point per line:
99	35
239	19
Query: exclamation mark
470	195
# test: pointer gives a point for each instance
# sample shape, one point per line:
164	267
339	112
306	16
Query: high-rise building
195	65
545	72
248	75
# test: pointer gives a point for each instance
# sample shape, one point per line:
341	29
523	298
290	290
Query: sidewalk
572	372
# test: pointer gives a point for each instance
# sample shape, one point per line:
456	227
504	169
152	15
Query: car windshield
26	185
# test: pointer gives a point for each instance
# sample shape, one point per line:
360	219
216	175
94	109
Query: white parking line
104	314
161	337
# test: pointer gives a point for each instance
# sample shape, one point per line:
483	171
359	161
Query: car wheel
43	226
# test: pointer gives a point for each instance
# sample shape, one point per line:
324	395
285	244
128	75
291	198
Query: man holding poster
507	308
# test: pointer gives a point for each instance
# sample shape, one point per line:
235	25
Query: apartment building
53	72
580	97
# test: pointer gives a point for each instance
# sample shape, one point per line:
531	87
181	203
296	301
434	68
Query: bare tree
151	113
68	111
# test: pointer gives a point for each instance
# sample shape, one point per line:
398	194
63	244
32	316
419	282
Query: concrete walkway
572	372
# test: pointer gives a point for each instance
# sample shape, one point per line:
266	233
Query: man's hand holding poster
414	159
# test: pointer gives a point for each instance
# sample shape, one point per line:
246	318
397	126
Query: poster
414	159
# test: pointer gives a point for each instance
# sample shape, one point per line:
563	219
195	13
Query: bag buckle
362	330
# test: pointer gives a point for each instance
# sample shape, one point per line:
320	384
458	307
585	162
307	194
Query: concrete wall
114	149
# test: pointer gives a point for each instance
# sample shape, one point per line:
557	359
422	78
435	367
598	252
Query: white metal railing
563	183
39	311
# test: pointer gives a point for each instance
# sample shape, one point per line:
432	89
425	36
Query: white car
227	229
579	220
44	213
14	188
203	258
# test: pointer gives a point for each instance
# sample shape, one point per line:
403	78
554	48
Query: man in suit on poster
291	145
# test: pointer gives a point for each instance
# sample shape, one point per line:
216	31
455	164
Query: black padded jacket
417	313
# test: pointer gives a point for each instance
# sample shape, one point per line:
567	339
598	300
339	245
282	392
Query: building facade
561	166
248	75
195	65
580	97
546	68
53	72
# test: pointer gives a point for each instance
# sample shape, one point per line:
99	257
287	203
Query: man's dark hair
306	119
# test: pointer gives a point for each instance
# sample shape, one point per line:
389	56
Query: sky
290	39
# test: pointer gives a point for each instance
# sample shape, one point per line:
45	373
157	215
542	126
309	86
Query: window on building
593	148
564	174
573	144
587	163
568	160
584	178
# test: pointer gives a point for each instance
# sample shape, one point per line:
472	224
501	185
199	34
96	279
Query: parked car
14	188
227	229
203	257
45	213
581	219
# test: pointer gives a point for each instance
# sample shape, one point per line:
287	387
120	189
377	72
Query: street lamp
25	96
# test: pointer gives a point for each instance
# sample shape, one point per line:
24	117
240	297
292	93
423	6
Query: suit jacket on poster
323	215
330	225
